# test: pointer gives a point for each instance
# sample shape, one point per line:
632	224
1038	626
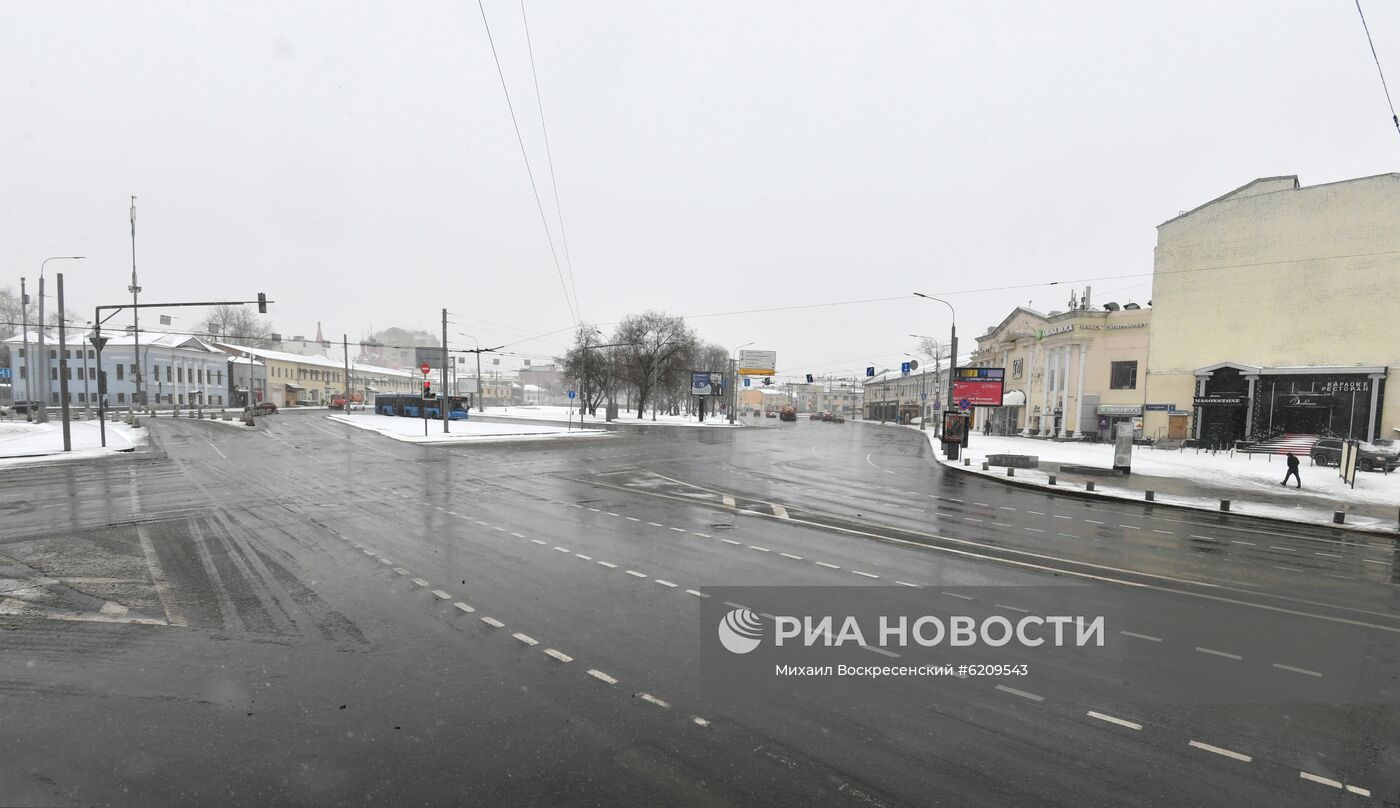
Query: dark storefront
1236	403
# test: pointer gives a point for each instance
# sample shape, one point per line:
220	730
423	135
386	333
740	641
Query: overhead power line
573	311
1393	118
549	156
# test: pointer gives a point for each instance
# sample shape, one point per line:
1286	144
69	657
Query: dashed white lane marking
400	570
441	595
595	510
878	650
780	512
1204	538
1067	535
956	595
647	697
1093	521
607	564
483	524
702	535
563	549
655	524
419	582
367	552
559	655
600	676
1328	555
906	583
636	574
971	519
1058	516
1168	532
698	721
1012	608
1358	790
1237	541
1225	752
539	541
499	528
696	594
760	549
1131	527
610	513
665	583
1005	508
1023	694
1035	530
1285	549
1374	561
1037	513
734	605
386	562
865	574
464	607
1212	651
728	501
518	535
982	504
731	541
677	529
493	622
525	638
582	556
828	566
1110	719
1303	671
790	555
631	518
1147	637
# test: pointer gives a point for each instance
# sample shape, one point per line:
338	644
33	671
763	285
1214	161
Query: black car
1328	452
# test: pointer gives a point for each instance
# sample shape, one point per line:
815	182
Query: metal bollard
985	465
1339	517
1011	471
1224	504
1052	479
1151	496
1089	486
967	461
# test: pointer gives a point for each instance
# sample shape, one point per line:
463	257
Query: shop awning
291	386
240	389
1013	398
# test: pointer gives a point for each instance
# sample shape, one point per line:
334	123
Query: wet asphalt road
298	614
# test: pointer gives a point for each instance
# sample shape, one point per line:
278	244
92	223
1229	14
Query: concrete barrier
1339	517
1052	479
1224	504
1151	495
1089	486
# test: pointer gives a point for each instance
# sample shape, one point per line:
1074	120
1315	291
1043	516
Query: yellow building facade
1271	313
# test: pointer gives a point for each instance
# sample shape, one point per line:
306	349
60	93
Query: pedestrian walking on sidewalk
1292	471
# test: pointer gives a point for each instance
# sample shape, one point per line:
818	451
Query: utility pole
344	346
28	356
135	309
43	356
63	367
444	398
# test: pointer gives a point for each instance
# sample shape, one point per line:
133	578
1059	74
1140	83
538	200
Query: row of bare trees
647	360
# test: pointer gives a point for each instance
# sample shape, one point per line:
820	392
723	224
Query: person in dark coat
1292	471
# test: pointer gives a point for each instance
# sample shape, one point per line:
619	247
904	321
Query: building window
1123	376
53	354
180	376
121	397
167	373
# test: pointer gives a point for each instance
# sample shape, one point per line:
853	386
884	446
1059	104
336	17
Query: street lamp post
43	350
734	380
952	351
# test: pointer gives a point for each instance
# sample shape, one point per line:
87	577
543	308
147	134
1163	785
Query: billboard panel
706	383
980	387
758	363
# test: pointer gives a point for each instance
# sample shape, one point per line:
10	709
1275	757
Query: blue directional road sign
923	396
572	393
904	367
870	371
746	381
5	373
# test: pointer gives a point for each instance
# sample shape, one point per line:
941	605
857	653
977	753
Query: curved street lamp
952	349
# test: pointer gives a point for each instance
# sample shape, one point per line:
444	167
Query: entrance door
1176	427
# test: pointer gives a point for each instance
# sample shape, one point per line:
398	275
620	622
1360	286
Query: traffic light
767	380
262	303
809	378
427	389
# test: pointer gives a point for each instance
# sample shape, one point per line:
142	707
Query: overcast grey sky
360	165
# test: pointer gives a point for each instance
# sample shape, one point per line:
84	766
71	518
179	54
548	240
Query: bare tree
237	324
651	344
589	366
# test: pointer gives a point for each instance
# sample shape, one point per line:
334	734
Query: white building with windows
178	370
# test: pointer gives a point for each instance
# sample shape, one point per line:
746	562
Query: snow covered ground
1201	480
23	442
552	413
470	431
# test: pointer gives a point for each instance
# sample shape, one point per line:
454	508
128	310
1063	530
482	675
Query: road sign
923	396
964	404
5	373
758	363
746	382
904	368
913	364
424	368
937	404
98	342
869	372
572	393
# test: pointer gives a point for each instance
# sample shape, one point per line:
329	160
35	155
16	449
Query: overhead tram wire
1393	117
573	310
549	156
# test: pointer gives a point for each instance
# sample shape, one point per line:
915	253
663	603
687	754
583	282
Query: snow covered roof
78	336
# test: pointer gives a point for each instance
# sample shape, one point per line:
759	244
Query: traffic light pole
98	341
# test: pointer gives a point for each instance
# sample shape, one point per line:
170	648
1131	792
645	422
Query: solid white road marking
1217	750
493	622
559	655
464	607
1148	637
173	615
526	638
1303	671
602	677
1023	694
1225	654
1110	719
654	700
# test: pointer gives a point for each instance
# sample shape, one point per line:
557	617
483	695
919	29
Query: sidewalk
1198	480
24	442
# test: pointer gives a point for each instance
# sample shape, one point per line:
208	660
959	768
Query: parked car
1328	452
264	408
24	407
826	416
772	414
838	418
816	416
